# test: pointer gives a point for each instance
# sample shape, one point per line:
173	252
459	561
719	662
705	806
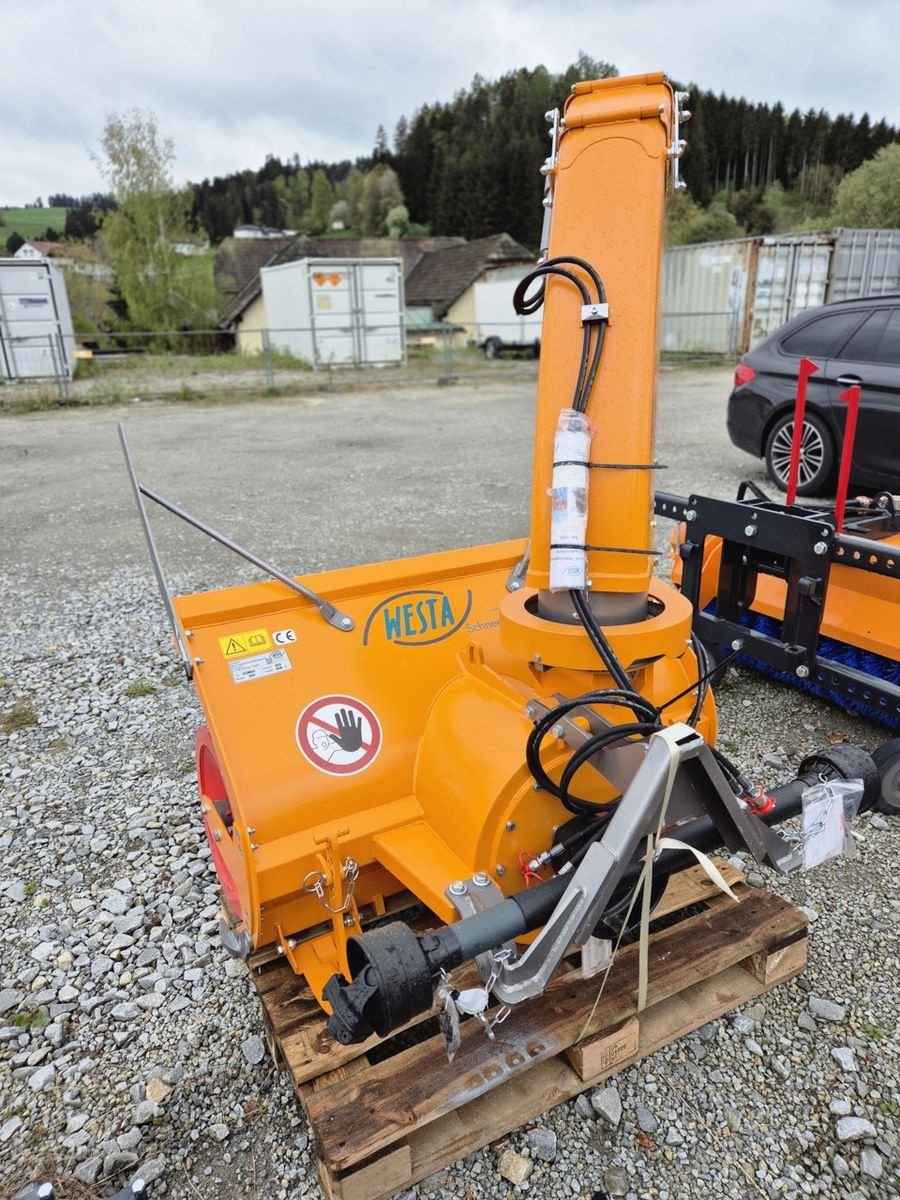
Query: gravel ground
128	1040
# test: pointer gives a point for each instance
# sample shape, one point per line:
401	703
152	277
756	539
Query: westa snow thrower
377	742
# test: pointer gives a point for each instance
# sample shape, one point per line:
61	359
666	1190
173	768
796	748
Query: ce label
284	637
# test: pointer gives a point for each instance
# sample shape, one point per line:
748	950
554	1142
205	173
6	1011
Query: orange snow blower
554	717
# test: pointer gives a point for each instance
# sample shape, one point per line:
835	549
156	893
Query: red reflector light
743	374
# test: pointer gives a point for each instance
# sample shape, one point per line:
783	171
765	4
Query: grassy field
30	222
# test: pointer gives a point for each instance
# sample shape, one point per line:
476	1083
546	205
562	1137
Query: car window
823	337
889	348
863	346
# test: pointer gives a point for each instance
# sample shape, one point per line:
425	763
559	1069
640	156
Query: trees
870	195
162	289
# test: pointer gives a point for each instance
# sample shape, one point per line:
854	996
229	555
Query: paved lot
99	819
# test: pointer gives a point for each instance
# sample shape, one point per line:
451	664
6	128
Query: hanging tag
448	1020
823	825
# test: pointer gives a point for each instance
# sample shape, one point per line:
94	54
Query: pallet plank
357	1118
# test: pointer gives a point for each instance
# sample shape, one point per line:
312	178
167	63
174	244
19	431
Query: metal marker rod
807	368
851	399
155	560
329	612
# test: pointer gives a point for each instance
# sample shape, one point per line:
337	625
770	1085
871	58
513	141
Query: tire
887	759
816	455
492	348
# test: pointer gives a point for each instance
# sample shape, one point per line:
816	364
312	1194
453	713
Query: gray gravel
129	1042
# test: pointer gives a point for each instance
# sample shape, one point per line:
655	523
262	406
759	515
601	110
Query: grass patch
186	393
36	1019
20	716
140	687
31	222
876	1034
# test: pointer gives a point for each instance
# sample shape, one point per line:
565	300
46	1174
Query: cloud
232	82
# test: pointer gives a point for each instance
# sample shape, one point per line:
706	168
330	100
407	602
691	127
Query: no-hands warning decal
339	735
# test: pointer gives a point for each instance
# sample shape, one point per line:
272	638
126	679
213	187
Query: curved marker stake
807	368
851	399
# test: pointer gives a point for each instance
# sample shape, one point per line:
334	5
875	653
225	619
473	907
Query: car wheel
887	760
816	455
492	348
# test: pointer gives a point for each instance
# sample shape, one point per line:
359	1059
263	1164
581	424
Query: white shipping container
336	311
36	337
498	326
866	262
704	296
791	275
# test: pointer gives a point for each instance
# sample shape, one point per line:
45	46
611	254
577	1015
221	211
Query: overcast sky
232	82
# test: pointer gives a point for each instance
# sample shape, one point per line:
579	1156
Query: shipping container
36	338
704	297
791	275
866	262
336	311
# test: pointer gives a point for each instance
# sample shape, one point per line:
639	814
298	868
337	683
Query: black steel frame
797	544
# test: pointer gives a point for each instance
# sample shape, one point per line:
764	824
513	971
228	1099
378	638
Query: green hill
31	222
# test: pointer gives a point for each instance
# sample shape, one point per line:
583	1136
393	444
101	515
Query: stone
608	1105
145	1112
44	951
877	821
9	998
13	1125
253	1049
840	1166
41	1079
542	1143
742	1024
870	1162
126	1011
156	1090
843	1056
615	1180
805	1021
826	1010
152	1168
840	1108
733	1119
584	1108
853	1129
754	1047
514	1166
673	1137
118	1160
646	1120
130	1140
115	903
219	1131
88	1171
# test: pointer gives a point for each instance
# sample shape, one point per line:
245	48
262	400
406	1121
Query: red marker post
851	399
807	368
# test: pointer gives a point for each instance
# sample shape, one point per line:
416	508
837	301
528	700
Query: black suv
851	341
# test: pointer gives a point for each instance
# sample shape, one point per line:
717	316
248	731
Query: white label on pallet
259	666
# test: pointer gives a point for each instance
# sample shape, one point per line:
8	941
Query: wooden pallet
383	1121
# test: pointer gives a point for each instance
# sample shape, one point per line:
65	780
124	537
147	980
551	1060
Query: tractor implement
780	588
437	732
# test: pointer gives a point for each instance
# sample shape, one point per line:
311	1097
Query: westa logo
417	618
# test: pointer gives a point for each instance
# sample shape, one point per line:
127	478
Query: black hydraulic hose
599	641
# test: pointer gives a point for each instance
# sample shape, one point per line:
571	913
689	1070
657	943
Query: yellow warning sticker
251	642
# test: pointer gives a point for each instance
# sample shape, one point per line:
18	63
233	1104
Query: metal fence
198	361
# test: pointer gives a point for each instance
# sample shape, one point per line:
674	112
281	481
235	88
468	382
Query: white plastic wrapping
828	809
569	500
